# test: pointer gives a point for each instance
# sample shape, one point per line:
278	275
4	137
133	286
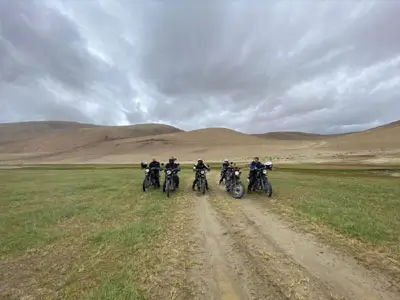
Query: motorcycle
170	185
262	183
201	180
149	178
233	184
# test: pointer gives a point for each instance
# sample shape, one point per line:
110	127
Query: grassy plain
357	203
78	234
89	232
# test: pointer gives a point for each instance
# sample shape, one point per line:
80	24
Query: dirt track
246	252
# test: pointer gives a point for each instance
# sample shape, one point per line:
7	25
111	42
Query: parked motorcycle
170	184
150	178
233	184
262	182
201	176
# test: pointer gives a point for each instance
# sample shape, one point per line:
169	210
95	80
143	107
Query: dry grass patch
88	234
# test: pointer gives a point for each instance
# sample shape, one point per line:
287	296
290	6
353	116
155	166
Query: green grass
81	233
354	203
89	232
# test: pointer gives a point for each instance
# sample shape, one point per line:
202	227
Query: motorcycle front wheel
202	187
146	184
267	188
168	188
237	191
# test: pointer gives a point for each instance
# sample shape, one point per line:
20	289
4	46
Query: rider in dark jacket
199	166
155	168
254	166
172	165
224	168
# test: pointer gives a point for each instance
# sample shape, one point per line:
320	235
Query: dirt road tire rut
342	274
221	282
273	261
231	267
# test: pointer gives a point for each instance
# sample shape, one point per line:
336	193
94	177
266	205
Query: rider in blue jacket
254	166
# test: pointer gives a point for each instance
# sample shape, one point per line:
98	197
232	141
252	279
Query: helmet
268	163
172	159
199	160
226	160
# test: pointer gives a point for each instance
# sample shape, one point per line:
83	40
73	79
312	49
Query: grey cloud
256	66
38	41
38	108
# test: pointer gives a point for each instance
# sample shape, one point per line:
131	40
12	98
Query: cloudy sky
251	65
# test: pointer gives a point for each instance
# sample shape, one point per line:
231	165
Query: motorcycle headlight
147	170
168	172
264	171
202	171
237	173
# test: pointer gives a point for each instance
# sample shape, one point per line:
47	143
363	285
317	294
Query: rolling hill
39	137
292	135
74	142
10	132
384	137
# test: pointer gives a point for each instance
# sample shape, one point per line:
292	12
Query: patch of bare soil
277	276
296	264
215	258
224	269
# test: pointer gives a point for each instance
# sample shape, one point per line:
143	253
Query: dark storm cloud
326	66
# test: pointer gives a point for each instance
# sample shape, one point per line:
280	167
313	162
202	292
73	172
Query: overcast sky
251	65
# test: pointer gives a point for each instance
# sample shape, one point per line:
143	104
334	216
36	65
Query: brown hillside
197	141
217	136
292	135
394	124
66	140
123	144
380	138
210	144
27	130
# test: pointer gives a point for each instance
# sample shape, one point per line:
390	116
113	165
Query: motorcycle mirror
162	164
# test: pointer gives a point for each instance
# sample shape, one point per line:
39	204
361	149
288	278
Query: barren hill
71	136
66	142
212	143
28	130
378	138
293	135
